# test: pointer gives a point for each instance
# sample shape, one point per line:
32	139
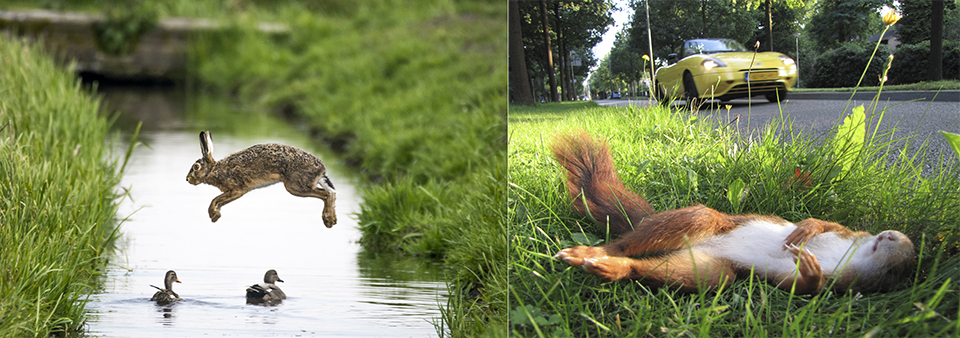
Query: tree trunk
546	37
518	65
536	86
703	19
646	5
770	25
935	72
563	56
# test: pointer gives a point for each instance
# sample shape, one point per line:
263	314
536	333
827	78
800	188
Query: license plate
761	76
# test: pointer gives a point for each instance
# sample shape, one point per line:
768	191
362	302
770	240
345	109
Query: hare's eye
196	166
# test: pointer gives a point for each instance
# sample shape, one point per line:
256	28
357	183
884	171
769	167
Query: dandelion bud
891	17
756	45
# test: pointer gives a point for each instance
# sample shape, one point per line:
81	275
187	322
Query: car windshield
705	46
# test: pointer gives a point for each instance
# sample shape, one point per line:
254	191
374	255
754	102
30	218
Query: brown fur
595	188
590	172
259	166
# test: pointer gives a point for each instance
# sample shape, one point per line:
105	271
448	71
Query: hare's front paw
329	220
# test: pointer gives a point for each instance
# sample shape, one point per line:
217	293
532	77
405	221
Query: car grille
755	70
757	88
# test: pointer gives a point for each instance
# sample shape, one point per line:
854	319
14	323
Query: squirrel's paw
609	268
798	237
575	255
808	265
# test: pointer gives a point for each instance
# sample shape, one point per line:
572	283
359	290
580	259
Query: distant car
614	95
721	69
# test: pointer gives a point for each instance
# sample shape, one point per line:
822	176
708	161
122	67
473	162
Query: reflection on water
333	289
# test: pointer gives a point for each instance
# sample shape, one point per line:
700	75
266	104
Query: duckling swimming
268	293
166	295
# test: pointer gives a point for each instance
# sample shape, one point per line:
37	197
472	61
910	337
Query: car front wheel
689	88
777	96
660	94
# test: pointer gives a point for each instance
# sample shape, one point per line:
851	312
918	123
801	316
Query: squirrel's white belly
760	244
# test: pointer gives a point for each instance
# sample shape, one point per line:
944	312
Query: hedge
842	67
911	62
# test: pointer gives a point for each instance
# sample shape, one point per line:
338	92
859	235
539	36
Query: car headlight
786	60
711	63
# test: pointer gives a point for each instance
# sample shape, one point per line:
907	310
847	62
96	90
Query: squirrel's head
890	257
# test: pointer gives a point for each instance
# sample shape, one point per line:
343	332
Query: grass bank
413	96
677	159
57	200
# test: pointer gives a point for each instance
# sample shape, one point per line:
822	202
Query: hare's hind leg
308	188
329	204
223	199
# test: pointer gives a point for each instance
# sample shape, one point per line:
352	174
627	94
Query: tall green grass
265	10
57	200
677	158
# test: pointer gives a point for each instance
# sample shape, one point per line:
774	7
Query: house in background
889	38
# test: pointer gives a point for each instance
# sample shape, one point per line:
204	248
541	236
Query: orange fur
590	172
668	239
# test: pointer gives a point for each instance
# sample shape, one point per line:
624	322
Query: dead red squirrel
697	246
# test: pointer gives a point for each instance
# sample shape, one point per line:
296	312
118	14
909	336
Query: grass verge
57	200
676	159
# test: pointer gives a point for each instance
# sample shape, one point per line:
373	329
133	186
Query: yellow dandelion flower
645	57
891	17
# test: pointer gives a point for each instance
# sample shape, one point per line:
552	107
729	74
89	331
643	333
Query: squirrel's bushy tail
594	185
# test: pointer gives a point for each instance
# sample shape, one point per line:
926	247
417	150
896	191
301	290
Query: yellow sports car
721	69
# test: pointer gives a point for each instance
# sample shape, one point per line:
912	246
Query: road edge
893	95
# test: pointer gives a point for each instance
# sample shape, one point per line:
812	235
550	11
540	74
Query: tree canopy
673	22
914	27
841	21
574	26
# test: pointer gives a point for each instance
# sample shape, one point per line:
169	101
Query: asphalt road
918	120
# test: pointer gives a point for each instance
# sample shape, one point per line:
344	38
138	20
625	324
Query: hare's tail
326	184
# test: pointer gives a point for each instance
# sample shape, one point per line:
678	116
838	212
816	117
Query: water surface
333	288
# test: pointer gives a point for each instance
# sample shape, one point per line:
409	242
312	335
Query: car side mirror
672	58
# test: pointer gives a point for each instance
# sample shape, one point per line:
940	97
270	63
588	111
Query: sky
622	19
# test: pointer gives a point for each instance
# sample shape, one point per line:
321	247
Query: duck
166	295
268	293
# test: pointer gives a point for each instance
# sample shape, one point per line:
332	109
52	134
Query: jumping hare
259	166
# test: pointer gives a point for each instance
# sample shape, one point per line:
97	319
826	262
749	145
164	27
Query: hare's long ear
206	146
